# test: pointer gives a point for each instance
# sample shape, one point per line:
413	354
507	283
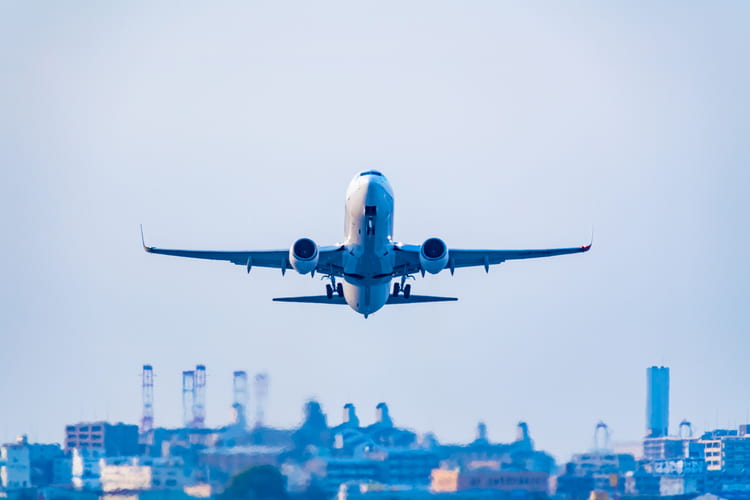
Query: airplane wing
407	257
329	260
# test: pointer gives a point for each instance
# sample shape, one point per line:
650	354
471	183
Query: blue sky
501	125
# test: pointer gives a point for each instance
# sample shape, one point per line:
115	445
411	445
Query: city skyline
499	126
252	414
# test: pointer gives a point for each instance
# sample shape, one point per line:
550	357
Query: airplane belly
366	299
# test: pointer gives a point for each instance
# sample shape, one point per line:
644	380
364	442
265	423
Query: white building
86	469
139	474
15	465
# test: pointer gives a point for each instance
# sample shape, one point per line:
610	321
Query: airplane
368	259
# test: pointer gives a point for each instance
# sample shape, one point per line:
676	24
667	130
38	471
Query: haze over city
239	126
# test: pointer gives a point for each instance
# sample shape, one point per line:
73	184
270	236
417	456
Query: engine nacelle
303	256
433	255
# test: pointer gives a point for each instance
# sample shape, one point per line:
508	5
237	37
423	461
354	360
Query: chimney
382	415
350	415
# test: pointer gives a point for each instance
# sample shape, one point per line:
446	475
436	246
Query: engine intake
433	255
303	256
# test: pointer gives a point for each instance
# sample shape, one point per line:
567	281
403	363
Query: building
126	476
657	402
62	471
668	447
140	474
451	480
345	470
113	440
15	465
411	467
86	468
726	450
42	458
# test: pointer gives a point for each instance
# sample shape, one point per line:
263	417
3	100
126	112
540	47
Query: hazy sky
499	124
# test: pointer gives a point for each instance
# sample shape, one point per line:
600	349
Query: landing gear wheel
340	289
329	291
407	291
396	289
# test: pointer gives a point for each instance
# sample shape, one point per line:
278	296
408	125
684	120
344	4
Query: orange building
449	480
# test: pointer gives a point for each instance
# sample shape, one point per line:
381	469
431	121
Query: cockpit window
371	210
371	172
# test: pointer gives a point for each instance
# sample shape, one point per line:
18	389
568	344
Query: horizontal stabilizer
313	299
400	299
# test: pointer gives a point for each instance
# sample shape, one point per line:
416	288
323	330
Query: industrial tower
147	422
601	438
240	398
199	398
261	391
188	393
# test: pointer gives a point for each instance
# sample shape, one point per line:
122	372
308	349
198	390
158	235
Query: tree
262	482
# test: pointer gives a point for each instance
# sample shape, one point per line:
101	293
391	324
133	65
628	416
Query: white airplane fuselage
368	239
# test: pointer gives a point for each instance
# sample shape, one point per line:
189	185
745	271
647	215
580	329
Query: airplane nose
373	193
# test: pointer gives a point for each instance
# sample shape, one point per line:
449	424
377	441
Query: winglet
586	248
143	241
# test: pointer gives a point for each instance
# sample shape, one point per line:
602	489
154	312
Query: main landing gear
334	286
399	287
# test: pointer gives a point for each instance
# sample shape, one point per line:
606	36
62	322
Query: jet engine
303	256
433	255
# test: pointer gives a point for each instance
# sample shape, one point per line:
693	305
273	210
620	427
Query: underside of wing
468	258
408	257
277	259
329	257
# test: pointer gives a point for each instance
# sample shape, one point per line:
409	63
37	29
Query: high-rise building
657	404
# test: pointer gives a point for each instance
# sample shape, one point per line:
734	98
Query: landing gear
401	287
333	287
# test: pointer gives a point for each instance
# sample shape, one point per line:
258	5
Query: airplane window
371	172
370	210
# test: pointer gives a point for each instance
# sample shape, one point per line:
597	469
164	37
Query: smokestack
188	395
350	415
522	432
382	415
199	401
240	398
261	391
657	402
147	422
482	432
